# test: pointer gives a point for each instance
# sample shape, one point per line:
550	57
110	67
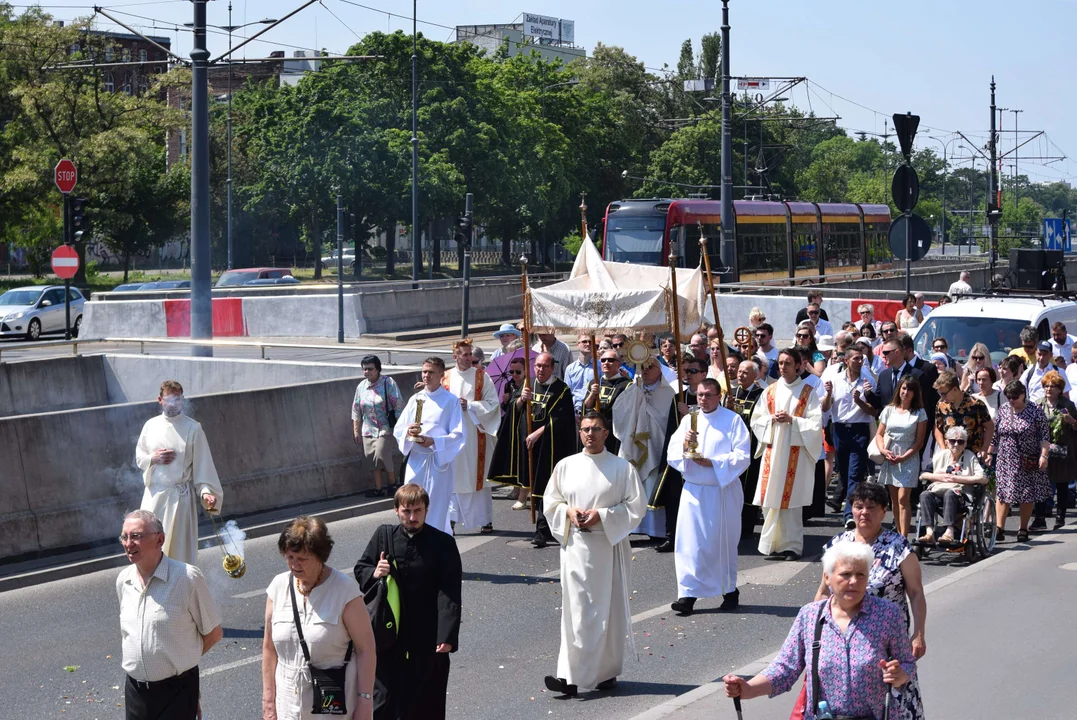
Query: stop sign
65	262
66	176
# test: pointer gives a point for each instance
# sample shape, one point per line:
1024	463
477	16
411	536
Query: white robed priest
787	421
641	421
432	444
471	505
178	472
708	522
593	501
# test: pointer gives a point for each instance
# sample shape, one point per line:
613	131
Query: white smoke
233	536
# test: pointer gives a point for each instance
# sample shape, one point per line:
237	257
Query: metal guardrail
841	275
261	346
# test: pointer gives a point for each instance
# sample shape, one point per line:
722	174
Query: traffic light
78	216
464	225
994	212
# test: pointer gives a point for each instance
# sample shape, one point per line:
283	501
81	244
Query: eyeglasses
813	312
692	372
592	429
135	537
955	441
802	336
940	348
891	351
609	360
516	372
617	345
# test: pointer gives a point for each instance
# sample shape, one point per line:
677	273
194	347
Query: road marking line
249	594
231	665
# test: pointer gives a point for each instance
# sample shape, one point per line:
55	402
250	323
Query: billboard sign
540	26
567	31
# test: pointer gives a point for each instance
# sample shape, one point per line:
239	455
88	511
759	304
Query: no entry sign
66	176
65	262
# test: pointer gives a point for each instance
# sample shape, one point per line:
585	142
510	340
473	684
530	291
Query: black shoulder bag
328	683
390	411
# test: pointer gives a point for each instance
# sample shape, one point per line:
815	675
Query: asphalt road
509	640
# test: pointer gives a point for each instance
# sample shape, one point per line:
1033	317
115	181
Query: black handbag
383	618
390	411
328	683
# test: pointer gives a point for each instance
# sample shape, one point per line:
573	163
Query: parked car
329	262
37	310
286	280
127	287
167	285
233	278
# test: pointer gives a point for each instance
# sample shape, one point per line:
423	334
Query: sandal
1000	534
1022	536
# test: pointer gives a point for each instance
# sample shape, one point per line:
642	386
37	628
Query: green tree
710	58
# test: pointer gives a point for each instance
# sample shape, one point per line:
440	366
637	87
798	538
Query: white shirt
161	626
1071	377
1064	350
772	354
959	288
844	409
823	327
1032	377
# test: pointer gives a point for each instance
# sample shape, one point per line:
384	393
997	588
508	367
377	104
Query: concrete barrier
272	447
132	318
57	384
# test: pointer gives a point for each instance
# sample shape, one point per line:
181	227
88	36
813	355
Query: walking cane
527	384
736	700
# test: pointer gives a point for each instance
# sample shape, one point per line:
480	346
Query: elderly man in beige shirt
168	620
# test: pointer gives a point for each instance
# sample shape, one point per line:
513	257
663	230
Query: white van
995	321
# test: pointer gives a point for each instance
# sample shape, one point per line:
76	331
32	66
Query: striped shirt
161	625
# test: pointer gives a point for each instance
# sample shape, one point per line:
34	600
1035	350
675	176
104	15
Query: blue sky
866	59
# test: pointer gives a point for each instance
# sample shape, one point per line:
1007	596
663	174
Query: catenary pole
201	291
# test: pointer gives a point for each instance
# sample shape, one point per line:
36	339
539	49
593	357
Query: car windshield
237	277
635	239
961	333
20	297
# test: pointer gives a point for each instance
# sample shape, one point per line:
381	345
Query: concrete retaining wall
56	384
137	378
272	447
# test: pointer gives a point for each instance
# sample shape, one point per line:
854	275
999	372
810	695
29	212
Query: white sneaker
519	505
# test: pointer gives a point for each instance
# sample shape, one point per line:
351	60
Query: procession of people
689	464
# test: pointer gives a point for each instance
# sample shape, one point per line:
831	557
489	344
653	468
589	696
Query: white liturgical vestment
471	505
640	420
595	562
708	522
432	467
174	491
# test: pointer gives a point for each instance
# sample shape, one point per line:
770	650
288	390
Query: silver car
37	310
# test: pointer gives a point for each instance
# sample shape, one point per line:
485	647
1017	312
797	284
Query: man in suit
896	368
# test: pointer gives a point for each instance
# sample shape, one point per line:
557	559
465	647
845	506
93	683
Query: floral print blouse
849	674
369	405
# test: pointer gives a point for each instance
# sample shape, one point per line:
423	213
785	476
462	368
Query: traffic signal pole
201	290
67	281
992	192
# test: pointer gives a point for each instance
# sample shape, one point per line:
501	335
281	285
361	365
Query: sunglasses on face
692	372
803	337
813	312
608	360
516	372
939	347
955	441
617	345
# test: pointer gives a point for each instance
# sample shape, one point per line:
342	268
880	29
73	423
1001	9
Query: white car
37	310
330	260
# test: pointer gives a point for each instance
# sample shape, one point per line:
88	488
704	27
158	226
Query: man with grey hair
961	286
923	307
168	621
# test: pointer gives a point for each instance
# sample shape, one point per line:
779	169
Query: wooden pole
676	319
594	345
527	384
717	322
594	366
583	215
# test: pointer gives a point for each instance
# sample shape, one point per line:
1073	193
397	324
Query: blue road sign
1055	234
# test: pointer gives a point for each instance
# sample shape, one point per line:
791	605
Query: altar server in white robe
787	421
593	501
432	444
471	505
644	416
178	471
708	523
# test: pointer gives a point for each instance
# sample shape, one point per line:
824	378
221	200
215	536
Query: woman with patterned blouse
1021	446
375	397
864	647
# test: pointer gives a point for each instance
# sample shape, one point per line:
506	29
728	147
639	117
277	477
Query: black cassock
609	389
411	678
743	404
551	406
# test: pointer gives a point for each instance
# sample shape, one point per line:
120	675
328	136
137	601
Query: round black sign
919	238
905	189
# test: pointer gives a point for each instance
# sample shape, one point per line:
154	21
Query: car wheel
77	327
33	330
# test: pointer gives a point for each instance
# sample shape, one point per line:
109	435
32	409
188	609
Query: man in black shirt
608	388
413	675
814	296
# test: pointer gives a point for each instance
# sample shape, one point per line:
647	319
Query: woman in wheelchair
953	471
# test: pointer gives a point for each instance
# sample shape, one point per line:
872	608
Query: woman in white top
986	377
910	316
335	623
979	357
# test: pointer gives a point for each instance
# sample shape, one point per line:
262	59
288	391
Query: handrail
840	275
262	346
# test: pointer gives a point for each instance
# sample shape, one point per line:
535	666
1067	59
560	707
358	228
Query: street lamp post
542	95
945	170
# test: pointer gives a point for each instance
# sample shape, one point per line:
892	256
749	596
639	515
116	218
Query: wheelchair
976	539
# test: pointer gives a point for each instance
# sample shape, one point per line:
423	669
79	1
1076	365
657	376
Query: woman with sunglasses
979	358
806	339
953	469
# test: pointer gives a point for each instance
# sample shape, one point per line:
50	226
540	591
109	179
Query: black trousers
1062	498
175	698
671	501
414	689
952	504
541	526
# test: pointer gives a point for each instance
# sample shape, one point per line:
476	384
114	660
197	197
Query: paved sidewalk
1001	643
